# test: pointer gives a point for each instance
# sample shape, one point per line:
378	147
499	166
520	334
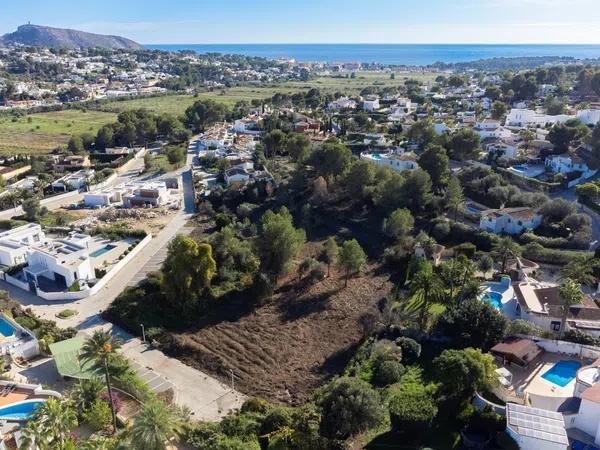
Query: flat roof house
152	193
75	180
59	263
14	243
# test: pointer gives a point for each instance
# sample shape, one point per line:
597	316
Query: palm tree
100	349
34	436
155	426
580	270
86	392
504	249
426	287
50	426
570	293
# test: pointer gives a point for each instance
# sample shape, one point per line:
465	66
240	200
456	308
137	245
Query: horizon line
373	43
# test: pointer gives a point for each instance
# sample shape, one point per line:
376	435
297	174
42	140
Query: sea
391	54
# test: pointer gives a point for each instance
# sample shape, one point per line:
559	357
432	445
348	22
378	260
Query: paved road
55	203
208	398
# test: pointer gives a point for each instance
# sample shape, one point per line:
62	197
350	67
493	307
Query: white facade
371	105
341	104
589	116
76	180
527	117
567	164
14	244
506	151
509	220
63	260
397	162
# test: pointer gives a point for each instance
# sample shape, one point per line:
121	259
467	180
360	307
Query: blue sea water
397	54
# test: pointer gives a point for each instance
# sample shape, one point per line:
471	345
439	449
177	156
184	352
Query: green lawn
43	132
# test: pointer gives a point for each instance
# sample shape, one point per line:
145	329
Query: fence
61	296
566	348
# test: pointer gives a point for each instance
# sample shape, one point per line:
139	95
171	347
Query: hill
41	36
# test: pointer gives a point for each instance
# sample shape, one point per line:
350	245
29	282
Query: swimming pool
21	410
376	156
562	373
6	328
493	298
102	251
520	168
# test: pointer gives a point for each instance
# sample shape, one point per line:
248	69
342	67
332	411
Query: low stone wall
481	403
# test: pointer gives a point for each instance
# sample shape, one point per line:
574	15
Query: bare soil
284	350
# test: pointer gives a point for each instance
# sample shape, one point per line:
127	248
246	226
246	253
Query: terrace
531	376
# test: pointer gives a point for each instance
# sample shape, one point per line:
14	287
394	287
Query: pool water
20	411
102	251
562	373
6	328
376	156
493	298
520	168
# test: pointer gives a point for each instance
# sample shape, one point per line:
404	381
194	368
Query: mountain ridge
44	36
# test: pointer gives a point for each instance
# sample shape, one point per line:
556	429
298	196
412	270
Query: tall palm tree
155	426
570	294
504	249
426	287
100	349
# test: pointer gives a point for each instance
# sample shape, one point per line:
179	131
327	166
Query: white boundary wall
566	348
61	296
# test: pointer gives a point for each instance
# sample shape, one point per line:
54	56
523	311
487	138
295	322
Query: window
555	325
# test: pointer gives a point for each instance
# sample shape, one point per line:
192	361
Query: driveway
207	398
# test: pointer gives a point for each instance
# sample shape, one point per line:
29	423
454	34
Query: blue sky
318	21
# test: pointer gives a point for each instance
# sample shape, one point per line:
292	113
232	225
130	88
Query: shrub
117	402
255	404
98	416
66	313
411	349
411	411
348	406
580	337
388	372
466	249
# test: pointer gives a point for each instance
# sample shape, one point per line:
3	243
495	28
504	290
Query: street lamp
143	332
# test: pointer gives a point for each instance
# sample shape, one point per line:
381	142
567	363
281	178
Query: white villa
527	117
371	104
569	162
75	180
131	195
398	162
60	260
63	261
14	243
510	220
341	104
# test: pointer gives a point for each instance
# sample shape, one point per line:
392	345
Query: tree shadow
336	362
295	308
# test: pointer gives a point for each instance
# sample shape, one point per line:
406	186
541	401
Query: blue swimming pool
376	156
493	298
6	328
562	373
101	251
20	411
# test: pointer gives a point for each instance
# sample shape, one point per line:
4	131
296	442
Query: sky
318	21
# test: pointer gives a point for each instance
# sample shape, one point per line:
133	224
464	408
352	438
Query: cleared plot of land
284	350
43	132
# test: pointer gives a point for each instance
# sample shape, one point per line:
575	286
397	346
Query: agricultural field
44	132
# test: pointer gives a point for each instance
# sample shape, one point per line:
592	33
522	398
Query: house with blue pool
552	393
